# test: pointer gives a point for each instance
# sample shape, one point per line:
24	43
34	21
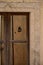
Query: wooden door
6	36
15	36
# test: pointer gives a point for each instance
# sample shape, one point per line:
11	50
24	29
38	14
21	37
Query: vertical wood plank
3	38
0	39
20	49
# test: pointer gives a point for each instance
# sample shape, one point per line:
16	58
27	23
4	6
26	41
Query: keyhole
19	29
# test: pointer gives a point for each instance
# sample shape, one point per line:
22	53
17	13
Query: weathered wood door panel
20	33
19	21
20	54
6	46
15	35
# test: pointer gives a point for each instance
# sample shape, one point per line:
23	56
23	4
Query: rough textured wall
41	44
19	0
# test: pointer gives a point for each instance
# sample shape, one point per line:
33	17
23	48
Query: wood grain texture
20	49
19	21
20	54
0	39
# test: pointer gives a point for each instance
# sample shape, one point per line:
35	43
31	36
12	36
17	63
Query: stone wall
19	0
41	30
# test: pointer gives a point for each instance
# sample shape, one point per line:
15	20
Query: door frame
7	37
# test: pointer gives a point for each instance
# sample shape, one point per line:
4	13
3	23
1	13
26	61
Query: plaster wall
41	34
19	0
